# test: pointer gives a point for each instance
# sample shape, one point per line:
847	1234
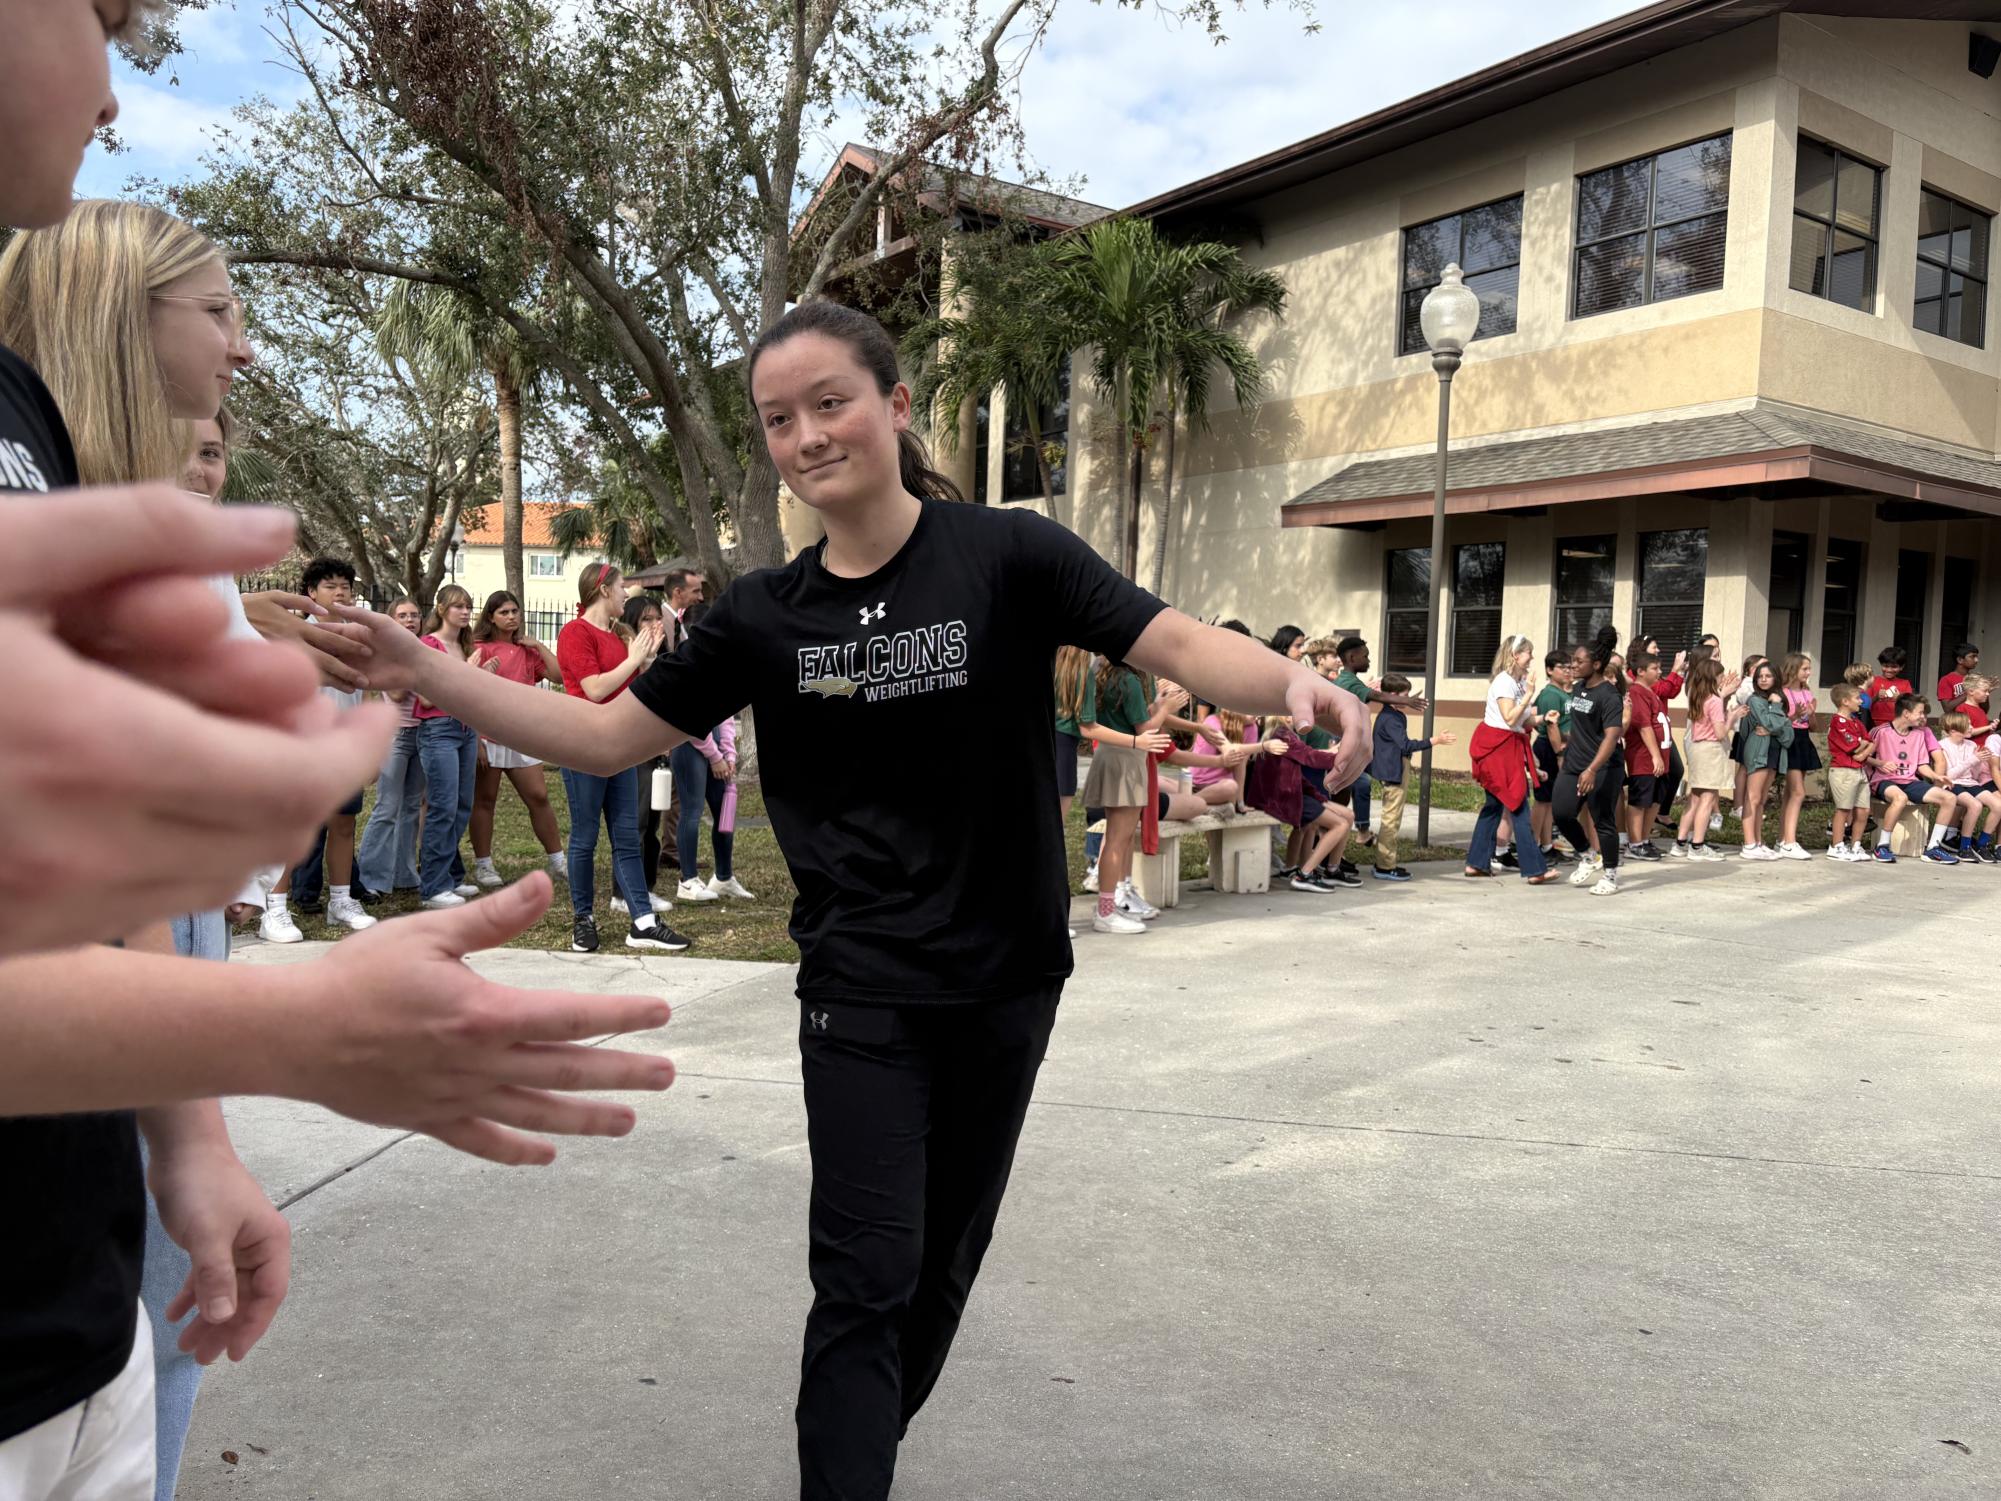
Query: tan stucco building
1738	369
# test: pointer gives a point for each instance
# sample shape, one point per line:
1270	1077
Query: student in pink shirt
1969	774
1910	768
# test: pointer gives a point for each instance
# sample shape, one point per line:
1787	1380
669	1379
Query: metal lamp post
1449	317
455	554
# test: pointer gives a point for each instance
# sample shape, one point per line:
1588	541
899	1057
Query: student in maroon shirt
1952	687
1646	757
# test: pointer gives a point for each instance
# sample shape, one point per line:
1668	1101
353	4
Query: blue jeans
449	752
693	786
615	799
1480	853
387	858
176	1376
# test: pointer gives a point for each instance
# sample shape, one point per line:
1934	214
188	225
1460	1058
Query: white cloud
1138	104
164	129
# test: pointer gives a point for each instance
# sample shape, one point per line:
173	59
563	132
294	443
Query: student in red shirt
1952	687
1850	754
501	645
1646	757
1975	690
1888	685
598	666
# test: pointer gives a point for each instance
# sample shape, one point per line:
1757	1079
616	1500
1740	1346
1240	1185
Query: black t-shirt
1593	712
69	1273
905	732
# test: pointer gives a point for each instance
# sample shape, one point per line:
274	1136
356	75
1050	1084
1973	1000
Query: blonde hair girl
128	316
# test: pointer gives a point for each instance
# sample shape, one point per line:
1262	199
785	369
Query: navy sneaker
1938	854
1399	874
1883	854
1508	859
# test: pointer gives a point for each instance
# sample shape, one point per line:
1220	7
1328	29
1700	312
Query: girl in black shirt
1593	768
931	956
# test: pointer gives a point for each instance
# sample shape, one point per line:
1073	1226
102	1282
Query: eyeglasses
215	305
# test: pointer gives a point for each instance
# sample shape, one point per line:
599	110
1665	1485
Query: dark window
1584	574
982	424
1487	244
1785	625
1476	606
1836	202
1021	479
1406	601
1914	577
1952	270
1653	229
1674	568
1956	610
1841	605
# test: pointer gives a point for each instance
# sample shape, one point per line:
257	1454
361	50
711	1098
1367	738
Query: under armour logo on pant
818	1019
876	614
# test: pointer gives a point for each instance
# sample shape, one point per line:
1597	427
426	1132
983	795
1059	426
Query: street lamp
1449	317
456	557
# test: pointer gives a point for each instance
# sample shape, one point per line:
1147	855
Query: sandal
1542	880
1482	875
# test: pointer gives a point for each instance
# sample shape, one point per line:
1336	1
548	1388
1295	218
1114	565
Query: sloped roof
971	189
1766	444
535	516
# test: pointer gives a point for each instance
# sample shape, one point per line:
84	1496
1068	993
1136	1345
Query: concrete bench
1239	855
1908	838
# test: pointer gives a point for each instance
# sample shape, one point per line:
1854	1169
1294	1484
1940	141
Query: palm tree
621	524
1009	335
444	331
1153	314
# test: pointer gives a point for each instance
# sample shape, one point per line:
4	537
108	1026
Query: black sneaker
1349	868
1311	880
1643	851
656	935
1508	859
584	935
1287	873
1343	875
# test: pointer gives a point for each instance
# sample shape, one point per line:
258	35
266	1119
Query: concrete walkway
1454	1189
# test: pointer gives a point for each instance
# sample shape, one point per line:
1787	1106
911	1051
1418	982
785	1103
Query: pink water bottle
726	820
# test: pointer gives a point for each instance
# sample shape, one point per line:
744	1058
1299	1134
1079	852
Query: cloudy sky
1120	97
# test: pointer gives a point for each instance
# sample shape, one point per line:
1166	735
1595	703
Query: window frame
1796	624
1983	222
1651	229
1561	640
1392	663
1916	656
1405	289
1641	604
1832	224
1461	610
1834	663
1014	447
534	571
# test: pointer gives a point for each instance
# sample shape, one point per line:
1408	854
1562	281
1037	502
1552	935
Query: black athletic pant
1603	805
1669	781
912	1114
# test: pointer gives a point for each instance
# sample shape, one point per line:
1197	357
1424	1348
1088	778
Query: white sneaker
731	888
660	903
1859	856
696	890
1704	854
1716	823
348	914
1133	904
484	873
559	866
278	927
1118	922
1588	867
466	888
1837	852
1677	851
443	900
1760	852
1791	850
1091	879
1608	884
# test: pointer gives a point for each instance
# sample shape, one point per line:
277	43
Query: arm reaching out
1235	672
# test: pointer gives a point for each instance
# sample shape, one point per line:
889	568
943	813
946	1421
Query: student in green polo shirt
1353	654
1550	736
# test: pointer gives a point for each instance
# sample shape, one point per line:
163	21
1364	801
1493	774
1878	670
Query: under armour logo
818	1018
876	614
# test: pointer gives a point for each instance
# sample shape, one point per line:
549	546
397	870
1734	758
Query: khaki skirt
1117	779
1709	768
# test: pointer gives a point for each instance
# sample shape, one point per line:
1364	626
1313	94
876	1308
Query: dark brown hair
875	352
483	629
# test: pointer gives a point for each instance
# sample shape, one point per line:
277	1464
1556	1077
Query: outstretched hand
394	656
413	1038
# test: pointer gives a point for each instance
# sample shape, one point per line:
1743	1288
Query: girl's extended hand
1154	742
1272	747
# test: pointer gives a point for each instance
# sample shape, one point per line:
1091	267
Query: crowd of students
441	783
1590	754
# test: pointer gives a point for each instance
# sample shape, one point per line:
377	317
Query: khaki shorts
1709	767
1848	787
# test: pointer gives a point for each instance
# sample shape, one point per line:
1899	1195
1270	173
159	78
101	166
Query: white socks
340	893
1938	833
1882	839
276	901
